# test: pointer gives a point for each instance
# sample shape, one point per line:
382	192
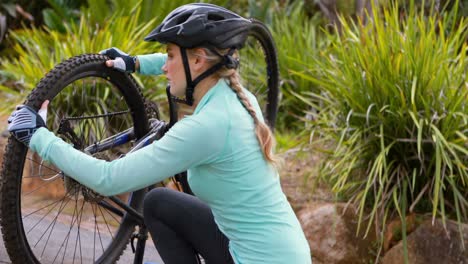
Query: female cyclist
239	214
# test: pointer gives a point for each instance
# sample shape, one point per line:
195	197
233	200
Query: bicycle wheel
259	70
48	217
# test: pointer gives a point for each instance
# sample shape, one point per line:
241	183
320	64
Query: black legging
182	226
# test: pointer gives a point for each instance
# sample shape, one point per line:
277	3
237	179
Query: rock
330	229
432	244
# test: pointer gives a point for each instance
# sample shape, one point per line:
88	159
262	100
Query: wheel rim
64	222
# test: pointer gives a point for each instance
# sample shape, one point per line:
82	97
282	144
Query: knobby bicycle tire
260	32
17	243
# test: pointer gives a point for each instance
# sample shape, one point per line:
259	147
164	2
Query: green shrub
393	115
102	10
158	9
102	24
39	50
299	40
60	12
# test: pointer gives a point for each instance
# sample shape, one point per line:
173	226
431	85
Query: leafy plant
16	14
299	41
61	12
39	50
102	10
393	115
9	12
287	140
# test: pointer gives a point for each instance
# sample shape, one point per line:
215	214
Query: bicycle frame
157	129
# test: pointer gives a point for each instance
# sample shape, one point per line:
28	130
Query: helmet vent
215	17
182	19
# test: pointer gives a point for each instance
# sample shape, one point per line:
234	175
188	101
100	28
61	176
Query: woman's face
174	70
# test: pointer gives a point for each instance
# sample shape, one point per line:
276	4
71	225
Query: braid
237	88
262	131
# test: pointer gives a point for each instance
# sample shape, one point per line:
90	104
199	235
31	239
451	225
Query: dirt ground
298	176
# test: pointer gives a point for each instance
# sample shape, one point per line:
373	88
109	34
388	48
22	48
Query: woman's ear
199	60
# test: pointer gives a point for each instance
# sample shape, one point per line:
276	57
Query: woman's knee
152	202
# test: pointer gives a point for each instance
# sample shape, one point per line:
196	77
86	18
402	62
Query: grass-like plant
119	23
38	50
149	9
299	40
393	115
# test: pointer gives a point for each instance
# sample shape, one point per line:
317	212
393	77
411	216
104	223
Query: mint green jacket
218	147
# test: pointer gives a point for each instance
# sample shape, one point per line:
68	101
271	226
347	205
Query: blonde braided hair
262	131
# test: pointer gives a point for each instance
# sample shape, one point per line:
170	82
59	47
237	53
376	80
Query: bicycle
114	119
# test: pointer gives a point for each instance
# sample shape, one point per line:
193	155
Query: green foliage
154	9
261	10
10	15
150	9
298	41
22	12
61	11
393	115
287	140
39	50
102	24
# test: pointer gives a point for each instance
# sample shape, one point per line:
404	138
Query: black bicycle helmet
199	24
207	25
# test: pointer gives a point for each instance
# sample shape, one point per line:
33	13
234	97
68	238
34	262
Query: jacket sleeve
189	143
151	64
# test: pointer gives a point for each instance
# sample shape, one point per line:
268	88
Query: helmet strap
192	83
188	78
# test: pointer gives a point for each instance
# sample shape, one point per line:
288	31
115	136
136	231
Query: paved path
150	253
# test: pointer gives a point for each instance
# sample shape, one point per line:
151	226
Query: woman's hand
120	60
24	122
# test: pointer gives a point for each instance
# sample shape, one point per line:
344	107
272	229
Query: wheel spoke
47	167
78	240
42	218
105	221
96	228
37	189
99	233
111	209
54	216
67	237
52	224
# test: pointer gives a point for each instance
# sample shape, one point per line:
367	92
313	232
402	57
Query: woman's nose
164	68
